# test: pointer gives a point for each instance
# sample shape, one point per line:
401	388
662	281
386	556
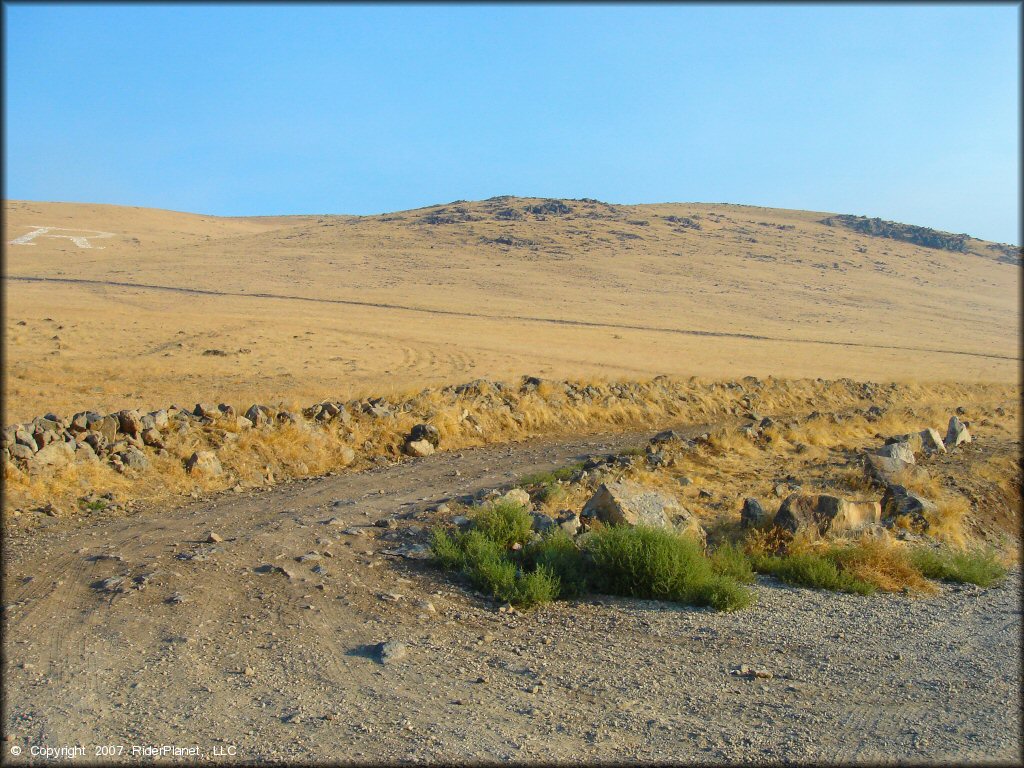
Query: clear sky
909	113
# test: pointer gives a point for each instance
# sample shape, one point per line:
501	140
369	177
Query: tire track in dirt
516	318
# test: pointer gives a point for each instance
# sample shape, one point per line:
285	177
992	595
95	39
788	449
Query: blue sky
904	112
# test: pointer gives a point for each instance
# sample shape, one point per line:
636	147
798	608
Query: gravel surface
296	638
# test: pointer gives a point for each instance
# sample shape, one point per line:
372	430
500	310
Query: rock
226	410
258	415
213	538
133	458
914	441
206	411
874	413
569	522
418	448
901	451
243	423
96	441
426	432
542	523
19	451
53	455
107	426
826	514
931	441
898	502
346	456
956	433
130	422
515	496
883	469
626	503
753	514
203	463
667	436
391	651
160	419
152	438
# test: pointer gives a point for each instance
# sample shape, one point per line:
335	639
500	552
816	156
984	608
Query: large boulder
515	496
53	455
626	503
825	514
898	502
203	463
956	433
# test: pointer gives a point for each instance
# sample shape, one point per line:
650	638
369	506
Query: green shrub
977	566
489	568
730	560
721	592
655	563
808	569
549	478
447	549
539	586
558	553
504	523
551	492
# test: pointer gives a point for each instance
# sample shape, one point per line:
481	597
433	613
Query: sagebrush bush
810	569
504	523
972	566
558	553
655	563
730	560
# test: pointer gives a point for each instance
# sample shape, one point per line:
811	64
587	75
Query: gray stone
135	459
258	415
542	523
418	448
391	651
152	438
826	514
898	502
753	514
206	411
901	451
426	432
931	441
956	433
203	463
626	503
53	455
130	422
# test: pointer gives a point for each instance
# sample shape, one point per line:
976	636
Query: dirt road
243	653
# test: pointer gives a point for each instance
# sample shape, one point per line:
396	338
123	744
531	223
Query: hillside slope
133	307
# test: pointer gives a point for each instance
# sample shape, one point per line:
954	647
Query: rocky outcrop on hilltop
908	233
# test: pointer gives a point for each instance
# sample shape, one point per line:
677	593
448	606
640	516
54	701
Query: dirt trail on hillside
237	649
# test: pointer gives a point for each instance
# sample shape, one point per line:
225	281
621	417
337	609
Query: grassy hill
174	307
